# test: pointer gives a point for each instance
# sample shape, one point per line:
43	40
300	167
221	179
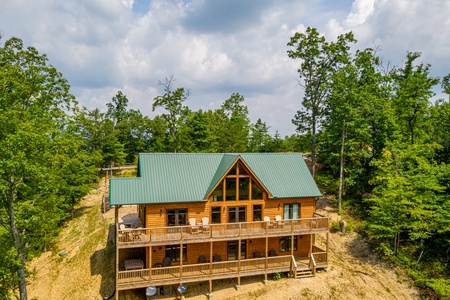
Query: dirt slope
87	269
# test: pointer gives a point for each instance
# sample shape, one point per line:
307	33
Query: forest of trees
378	140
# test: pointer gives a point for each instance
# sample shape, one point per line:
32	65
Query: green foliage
276	276
172	101
335	226
319	61
41	152
440	285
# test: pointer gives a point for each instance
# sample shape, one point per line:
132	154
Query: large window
215	214
174	252
217	194
292	211
233	249
256	191
230	191
236	214
244	188
257	212
237	185
176	217
285	243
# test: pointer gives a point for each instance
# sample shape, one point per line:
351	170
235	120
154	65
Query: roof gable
228	162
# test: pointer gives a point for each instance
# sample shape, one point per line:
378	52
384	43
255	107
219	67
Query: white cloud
214	48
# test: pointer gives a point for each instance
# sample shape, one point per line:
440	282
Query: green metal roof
190	177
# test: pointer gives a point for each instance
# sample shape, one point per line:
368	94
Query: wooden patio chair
269	224
256	254
280	222
202	259
205	224
194	228
167	262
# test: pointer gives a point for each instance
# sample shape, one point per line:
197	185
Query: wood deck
202	272
214	270
142	237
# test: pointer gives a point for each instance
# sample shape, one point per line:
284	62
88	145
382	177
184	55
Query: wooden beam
149	262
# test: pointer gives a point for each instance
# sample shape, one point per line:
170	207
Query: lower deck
170	275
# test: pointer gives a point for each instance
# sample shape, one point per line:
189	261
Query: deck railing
205	271
198	233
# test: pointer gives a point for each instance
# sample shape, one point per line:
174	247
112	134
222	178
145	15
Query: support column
238	286
267	259
210	295
149	262
181	261
327	249
116	220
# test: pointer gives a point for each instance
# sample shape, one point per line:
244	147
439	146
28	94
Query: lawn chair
280	222
167	262
269	224
202	259
272	253
216	258
205	224
194	228
256	254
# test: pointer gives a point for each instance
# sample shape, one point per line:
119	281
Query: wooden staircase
304	273
105	203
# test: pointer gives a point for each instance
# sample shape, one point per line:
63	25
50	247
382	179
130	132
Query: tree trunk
18	243
341	169
313	145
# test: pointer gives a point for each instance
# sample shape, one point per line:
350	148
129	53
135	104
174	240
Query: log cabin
201	217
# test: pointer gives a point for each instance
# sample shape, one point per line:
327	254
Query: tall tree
319	60
33	100
259	137
445	84
172	101
413	92
410	197
233	125
117	110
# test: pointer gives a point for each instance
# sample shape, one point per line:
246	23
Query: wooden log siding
156	213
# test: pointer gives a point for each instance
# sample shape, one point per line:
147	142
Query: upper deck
157	236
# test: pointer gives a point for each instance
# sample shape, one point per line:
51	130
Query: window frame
286	241
174	253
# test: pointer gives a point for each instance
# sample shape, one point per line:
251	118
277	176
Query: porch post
239	259
149	262
328	235
292	244
181	260
210	257
116	217
267	259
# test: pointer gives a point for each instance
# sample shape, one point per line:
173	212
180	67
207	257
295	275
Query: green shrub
335	226
276	276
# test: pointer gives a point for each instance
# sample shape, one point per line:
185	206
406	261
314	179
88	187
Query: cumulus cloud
214	48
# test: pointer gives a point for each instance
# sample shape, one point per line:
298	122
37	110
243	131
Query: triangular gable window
237	185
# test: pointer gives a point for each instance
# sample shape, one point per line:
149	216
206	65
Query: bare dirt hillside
86	270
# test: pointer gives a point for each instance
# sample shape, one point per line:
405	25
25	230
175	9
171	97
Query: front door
233	250
176	217
236	214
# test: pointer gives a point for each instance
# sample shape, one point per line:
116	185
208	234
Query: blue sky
215	48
